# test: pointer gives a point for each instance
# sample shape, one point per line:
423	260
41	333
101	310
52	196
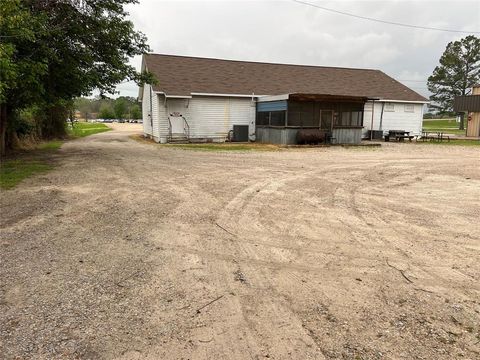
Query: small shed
470	104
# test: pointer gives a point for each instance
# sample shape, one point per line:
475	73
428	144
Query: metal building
470	104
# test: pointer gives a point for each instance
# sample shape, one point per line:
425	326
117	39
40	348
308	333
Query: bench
398	135
403	137
434	136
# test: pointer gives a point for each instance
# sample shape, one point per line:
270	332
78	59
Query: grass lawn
212	146
224	147
14	171
452	142
444	125
81	129
50	145
33	161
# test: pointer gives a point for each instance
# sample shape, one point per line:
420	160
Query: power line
383	21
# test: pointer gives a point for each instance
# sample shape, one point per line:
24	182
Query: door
176	108
326	119
177	124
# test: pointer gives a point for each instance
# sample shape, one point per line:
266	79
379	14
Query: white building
200	99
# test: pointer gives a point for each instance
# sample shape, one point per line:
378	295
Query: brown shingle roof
183	75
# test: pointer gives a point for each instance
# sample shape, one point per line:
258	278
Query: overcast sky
284	31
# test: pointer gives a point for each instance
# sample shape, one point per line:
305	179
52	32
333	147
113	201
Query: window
263	118
271	118
357	118
349	118
389	107
294	118
277	118
409	108
344	119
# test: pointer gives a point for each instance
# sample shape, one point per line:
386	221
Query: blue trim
280	105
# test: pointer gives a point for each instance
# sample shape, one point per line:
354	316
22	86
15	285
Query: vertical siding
473	125
347	136
394	120
284	136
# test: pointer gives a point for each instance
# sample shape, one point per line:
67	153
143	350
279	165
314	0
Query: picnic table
398	135
434	136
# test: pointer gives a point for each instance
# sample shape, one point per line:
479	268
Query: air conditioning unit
240	133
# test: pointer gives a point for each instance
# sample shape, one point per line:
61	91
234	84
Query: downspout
381	117
371	124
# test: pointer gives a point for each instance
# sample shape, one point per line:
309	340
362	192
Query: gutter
223	95
381	117
404	101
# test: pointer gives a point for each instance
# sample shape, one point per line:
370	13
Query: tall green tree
120	107
135	112
71	48
106	112
458	71
20	75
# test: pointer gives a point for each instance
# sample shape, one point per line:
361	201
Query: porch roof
317	97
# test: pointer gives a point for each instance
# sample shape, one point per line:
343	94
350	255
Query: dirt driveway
129	250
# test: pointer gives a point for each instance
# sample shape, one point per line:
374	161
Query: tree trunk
462	122
3	128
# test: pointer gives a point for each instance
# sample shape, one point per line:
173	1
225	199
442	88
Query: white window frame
389	107
410	108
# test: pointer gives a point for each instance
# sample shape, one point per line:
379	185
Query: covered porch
279	118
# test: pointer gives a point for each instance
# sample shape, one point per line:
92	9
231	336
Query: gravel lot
130	250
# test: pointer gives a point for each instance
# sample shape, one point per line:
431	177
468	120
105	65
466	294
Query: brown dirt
129	250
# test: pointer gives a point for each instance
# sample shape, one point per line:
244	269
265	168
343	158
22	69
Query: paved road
129	250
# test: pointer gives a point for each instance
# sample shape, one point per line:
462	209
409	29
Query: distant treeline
123	107
440	115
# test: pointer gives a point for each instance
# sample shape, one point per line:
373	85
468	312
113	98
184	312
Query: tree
135	112
458	71
20	76
106	112
84	105
68	49
120	108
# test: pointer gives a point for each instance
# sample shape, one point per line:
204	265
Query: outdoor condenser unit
375	134
240	133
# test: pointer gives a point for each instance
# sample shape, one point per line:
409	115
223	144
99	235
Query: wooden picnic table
398	135
434	136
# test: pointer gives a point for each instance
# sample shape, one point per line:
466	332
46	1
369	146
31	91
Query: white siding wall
399	119
211	117
158	112
147	127
162	118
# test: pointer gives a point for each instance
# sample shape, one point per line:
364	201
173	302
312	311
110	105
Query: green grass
82	129
452	142
14	171
444	125
223	147
50	145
